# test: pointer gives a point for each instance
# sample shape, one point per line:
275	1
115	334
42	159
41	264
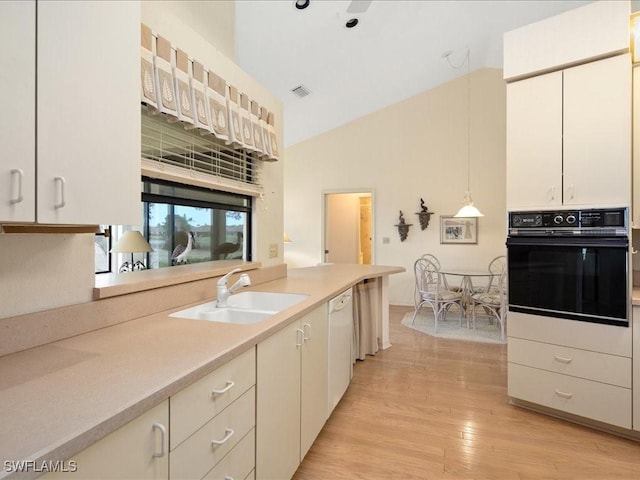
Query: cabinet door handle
228	478
20	174
300	338
563	394
229	386
163	436
62	182
562	359
571	191
228	434
553	192
307	332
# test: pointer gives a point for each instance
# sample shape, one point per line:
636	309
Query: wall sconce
424	215
132	242
403	227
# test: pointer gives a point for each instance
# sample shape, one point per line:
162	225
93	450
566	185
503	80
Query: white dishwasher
340	345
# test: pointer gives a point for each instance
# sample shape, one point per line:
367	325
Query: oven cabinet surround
577	368
635	211
139	449
86	114
636	367
292	398
569	137
218	408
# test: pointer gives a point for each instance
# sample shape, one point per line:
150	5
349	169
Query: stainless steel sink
242	308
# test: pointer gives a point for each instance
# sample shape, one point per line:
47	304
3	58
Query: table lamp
132	242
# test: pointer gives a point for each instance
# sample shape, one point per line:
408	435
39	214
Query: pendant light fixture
468	208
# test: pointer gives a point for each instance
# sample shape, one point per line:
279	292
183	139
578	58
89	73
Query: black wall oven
570	264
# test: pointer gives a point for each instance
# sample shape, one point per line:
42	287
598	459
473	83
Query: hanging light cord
466	60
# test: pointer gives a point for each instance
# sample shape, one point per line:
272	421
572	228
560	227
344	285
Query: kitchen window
200	223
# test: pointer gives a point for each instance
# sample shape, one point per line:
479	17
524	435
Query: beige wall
39	272
411	150
214	20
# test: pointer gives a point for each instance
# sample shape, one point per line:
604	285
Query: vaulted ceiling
395	51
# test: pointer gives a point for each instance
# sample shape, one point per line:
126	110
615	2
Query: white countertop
58	398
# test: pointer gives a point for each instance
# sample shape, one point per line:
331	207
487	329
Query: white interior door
347	232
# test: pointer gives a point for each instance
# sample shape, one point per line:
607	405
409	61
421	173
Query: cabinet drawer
239	462
594	400
596	366
594	337
197	404
197	455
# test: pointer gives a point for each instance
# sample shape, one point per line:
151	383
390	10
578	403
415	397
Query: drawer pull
163	436
563	394
562	359
228	434
229	386
228	478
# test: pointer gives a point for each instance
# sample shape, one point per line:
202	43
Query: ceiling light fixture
301	4
351	23
468	208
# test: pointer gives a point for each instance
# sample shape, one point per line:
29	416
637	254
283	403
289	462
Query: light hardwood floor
433	408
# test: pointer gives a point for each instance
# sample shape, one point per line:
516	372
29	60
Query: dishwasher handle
340	302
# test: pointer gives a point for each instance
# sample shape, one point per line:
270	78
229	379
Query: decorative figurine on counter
403	227
424	215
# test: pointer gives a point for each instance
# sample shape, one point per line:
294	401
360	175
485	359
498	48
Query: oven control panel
569	221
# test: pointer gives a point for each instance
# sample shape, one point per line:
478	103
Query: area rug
450	328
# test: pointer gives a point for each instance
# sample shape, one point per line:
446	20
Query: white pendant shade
468	210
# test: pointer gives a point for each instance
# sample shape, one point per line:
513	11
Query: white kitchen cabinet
635	213
314	392
17	122
87	113
534	141
212	423
139	449
569	137
292	392
636	368
580	368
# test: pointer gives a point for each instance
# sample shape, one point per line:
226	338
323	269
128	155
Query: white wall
414	149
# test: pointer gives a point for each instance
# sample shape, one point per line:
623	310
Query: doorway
348	227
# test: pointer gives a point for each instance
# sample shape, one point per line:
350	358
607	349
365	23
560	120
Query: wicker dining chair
493	302
432	291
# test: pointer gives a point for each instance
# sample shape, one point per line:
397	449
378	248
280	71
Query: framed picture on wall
458	230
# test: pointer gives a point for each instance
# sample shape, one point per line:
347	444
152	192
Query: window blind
185	154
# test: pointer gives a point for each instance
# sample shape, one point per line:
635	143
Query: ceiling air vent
300	91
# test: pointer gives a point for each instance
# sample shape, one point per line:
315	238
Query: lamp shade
468	210
286	238
131	241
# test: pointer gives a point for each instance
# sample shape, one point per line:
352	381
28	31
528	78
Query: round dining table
467	275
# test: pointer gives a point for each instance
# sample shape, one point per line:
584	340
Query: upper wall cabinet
17	122
586	33
569	137
87	114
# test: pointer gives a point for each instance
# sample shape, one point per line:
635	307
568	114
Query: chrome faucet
224	292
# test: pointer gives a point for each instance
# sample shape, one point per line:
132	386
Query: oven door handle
561	241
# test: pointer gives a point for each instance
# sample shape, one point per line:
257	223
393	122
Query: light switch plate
273	250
